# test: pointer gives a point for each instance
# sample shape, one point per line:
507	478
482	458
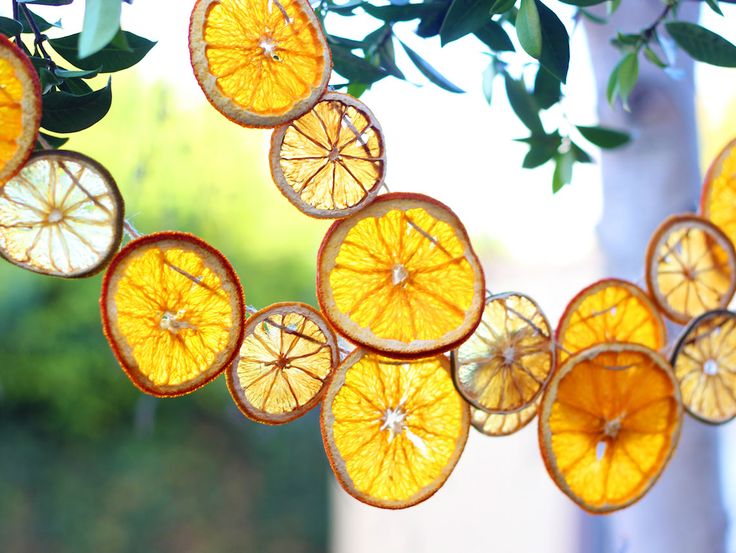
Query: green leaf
108	60
489	75
10	27
563	170
464	17
555	43
547	89
356	90
714	6
652	56
702	44
67	113
501	6
542	148
430	24
623	79
583	3
355	69
580	155
523	104
407	12
430	72
495	37
40	22
529	28
101	24
604	137
67	74
47	2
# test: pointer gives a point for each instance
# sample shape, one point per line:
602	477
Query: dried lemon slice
500	424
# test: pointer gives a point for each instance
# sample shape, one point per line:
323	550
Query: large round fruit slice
287	356
400	277
690	267
705	365
20	109
507	361
609	422
718	199
610	310
331	161
497	425
173	312
261	63
393	430
62	215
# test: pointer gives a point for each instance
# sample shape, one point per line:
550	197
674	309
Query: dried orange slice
20	109
609	422
400	277
610	310
331	161
507	361
704	361
690	267
393	430
260	63
173	312
62	215
718	199
287	355
499	424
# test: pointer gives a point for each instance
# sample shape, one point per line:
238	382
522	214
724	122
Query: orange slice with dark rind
690	267
331	161
497	425
173	311
609	422
62	215
718	198
287	356
393	430
400	277
260	63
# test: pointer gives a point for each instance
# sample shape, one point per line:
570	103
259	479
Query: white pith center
399	274
710	367
173	322
268	46
509	355
334	155
393	421
612	428
55	216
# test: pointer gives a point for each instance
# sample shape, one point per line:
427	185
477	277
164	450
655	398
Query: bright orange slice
393	430
690	267
400	277
705	365
20	109
331	161
173	312
261	63
62	215
609	422
499	424
610	310
287	355
718	199
507	361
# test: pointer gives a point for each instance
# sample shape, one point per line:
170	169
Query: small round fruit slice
400	277
393	430
20	109
609	422
718	199
691	267
507	361
498	424
62	215
287	355
261	63
610	310
705	365
173	312
330	162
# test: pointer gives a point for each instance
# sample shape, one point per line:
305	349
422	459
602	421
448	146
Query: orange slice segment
718	199
609	422
499	424
393	430
331	161
507	361
20	109
62	215
610	310
705	366
173	312
400	277
287	355
261	63
691	267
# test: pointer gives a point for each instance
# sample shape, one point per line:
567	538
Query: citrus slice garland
173	312
609	422
505	364
400	277
62	215
704	361
331	161
393	430
718	199
690	267
261	63
610	310
287	355
499	424
20	109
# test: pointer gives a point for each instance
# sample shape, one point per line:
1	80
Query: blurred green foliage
88	463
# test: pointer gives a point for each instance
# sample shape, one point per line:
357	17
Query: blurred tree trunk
658	174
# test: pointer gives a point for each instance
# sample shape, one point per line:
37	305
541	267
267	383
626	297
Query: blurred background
87	463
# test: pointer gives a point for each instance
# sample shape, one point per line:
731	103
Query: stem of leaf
16	16
40	38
